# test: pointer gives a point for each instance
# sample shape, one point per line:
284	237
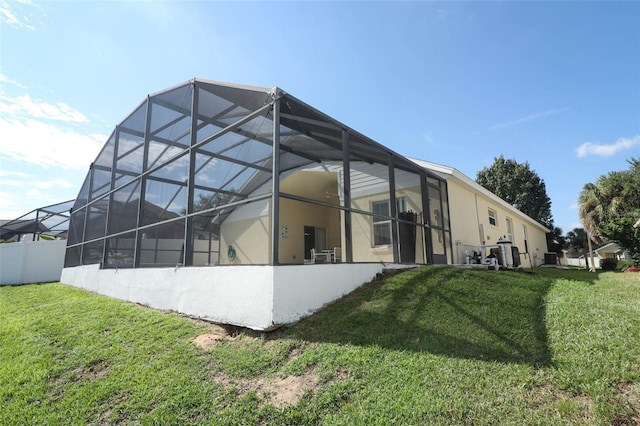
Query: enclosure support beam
426	229
275	184
394	210
191	181
346	172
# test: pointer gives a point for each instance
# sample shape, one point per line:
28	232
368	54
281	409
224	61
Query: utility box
551	258
506	252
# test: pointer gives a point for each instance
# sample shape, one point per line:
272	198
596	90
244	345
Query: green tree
610	206
519	186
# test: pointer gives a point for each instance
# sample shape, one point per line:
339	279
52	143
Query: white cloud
46	134
27	180
16	204
5	79
10	17
34	193
55	183
45	149
12	206
25	106
11	174
604	150
528	118
22	192
46	145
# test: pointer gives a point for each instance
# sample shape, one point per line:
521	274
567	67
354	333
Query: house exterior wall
250	236
294	216
364	249
464	221
31	261
247	230
470	222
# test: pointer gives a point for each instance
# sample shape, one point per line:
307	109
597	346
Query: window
493	218
382	225
524	236
510	230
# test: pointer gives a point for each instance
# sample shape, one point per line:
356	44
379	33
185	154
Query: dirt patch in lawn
628	393
215	334
279	391
208	341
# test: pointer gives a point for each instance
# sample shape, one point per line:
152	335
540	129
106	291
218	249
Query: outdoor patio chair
337	254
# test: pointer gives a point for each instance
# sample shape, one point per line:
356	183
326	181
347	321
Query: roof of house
608	248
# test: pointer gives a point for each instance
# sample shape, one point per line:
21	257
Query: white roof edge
456	174
606	246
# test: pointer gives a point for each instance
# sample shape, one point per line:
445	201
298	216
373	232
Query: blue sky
554	84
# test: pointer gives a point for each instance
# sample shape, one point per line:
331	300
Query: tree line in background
609	208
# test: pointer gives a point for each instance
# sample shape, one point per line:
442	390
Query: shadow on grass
473	314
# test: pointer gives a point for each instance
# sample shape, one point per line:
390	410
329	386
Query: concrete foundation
257	297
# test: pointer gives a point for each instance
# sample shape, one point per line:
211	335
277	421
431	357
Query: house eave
447	173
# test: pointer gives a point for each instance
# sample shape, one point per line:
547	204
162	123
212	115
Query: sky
552	84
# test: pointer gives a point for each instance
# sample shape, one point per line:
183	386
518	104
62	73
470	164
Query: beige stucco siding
462	212
249	238
364	249
470	221
294	216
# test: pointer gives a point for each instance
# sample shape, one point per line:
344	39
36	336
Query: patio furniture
337	254
322	256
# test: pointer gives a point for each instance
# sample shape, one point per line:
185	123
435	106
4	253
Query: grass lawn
427	346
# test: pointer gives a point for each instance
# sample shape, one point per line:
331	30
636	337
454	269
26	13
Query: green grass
427	346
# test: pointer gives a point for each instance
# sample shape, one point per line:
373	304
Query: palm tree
608	207
591	213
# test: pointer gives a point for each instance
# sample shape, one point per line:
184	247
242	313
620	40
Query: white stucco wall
257	297
31	261
301	290
239	295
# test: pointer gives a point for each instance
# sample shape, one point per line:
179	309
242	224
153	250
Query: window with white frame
509	229
524	236
493	218
382	225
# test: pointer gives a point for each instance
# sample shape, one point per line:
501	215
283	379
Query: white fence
580	262
31	261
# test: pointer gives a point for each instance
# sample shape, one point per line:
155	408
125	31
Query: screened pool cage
192	177
48	222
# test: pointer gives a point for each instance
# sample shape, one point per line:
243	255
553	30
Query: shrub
608	264
624	264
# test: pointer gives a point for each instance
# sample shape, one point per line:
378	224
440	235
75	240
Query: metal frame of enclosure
193	160
51	221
